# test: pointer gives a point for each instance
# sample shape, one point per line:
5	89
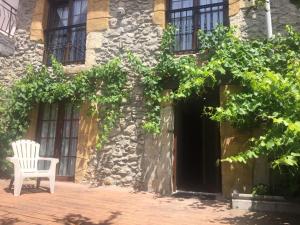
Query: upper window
8	17
190	15
66	32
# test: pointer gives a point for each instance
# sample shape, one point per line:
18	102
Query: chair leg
38	182
18	186
11	183
52	184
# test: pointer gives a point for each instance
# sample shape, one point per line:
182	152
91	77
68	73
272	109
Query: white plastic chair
25	160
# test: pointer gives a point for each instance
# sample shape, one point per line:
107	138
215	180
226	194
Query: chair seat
38	173
25	160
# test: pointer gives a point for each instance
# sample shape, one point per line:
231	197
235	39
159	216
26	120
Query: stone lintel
97	15
234	7
159	13
39	20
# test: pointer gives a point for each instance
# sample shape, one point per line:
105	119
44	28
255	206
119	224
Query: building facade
83	33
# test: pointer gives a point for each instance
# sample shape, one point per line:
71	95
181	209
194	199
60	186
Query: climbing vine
266	72
103	86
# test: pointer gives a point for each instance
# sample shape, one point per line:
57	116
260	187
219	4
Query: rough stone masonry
26	52
131	157
130	28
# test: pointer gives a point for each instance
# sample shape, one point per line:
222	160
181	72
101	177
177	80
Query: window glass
79	11
56	117
66	36
208	2
68	111
211	15
69	141
188	18
183	20
180	4
47	133
60	17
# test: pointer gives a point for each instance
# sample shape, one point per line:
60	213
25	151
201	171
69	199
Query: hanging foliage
103	86
267	71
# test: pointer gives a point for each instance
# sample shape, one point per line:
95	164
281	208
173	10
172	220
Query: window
8	17
190	15
66	33
57	134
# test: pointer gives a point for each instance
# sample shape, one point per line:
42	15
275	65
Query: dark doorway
197	145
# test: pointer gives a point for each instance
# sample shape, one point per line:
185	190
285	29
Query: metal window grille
190	15
66	33
8	18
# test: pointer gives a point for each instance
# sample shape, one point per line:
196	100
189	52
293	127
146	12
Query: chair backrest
27	152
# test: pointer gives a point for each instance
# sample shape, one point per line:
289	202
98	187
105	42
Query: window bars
66	33
66	44
8	18
189	16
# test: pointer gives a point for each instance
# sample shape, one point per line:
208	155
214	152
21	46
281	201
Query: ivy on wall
103	86
267	73
4	136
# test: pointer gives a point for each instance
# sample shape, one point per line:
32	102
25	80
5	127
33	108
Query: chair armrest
53	160
15	161
12	160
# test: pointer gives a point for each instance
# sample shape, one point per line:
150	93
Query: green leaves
267	73
104	86
291	160
106	90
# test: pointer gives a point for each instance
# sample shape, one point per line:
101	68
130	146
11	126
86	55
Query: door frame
58	136
175	152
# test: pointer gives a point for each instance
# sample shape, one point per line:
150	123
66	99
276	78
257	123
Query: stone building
83	33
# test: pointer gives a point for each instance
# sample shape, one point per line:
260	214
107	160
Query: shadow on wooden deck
9	221
28	189
81	205
79	219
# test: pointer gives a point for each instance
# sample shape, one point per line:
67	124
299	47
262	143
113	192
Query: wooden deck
79	204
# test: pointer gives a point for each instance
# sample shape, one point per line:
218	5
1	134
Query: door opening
197	145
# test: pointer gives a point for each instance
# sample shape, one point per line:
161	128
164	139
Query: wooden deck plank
79	204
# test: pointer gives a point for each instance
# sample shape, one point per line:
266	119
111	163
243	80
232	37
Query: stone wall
132	158
130	28
7	45
26	52
251	23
